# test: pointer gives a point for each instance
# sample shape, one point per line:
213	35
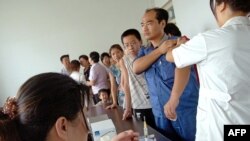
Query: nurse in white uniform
223	62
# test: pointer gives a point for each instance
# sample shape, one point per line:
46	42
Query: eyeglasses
132	44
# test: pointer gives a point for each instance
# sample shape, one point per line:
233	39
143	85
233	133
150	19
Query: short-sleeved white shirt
223	62
78	77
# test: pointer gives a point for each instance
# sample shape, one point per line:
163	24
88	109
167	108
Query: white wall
193	16
35	33
160	3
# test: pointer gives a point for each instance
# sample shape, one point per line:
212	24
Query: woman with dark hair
222	58
123	98
48	107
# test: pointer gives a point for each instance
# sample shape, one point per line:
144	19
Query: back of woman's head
44	98
235	5
8	124
8	129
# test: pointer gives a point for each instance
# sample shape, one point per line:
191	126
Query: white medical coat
223	62
78	77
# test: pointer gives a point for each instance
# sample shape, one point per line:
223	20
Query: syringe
145	128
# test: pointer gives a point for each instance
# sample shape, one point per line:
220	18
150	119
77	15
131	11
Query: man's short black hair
94	56
75	64
64	56
128	32
161	14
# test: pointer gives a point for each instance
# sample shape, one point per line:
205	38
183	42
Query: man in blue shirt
168	86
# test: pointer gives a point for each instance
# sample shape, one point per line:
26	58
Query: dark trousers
96	98
140	113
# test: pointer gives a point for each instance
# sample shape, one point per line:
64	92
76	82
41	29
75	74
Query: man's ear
141	42
163	23
61	127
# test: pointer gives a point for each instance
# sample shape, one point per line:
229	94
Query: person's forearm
180	81
125	84
142	63
114	94
128	104
90	83
126	89
113	88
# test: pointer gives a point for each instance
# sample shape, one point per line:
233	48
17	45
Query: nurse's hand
166	45
170	108
128	135
182	40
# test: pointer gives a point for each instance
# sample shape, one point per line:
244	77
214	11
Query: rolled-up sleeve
140	54
192	52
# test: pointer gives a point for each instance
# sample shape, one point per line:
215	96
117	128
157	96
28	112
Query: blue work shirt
160	80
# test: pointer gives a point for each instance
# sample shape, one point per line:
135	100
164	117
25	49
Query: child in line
104	96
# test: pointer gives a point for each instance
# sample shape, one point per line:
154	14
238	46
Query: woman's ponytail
8	122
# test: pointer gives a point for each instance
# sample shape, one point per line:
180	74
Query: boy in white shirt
75	67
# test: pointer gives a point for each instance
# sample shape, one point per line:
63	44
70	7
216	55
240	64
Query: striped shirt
138	86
